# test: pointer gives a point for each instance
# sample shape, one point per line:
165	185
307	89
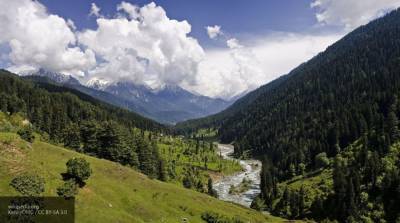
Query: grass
183	153
113	193
207	134
318	183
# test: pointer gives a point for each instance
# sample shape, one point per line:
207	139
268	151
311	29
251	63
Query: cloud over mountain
351	13
245	66
143	45
39	39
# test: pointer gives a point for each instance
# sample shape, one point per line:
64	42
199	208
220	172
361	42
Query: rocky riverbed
251	171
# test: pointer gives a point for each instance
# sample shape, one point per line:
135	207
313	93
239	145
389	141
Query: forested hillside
41	99
347	93
33	115
79	122
113	193
68	117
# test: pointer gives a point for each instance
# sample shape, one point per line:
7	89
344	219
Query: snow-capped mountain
96	83
169	104
56	77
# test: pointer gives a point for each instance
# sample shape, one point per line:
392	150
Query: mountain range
169	104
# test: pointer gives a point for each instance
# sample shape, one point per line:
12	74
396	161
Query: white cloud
147	47
233	43
71	24
39	39
132	10
351	13
94	10
226	72
143	45
214	31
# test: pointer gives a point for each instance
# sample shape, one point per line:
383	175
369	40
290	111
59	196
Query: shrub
79	169
26	134
29	185
187	183
212	217
258	204
321	160
68	190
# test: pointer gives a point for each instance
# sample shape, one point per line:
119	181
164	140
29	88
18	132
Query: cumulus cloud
39	39
146	47
351	13
94	10
142	44
214	31
227	72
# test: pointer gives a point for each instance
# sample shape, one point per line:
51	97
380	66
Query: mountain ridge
169	104
338	111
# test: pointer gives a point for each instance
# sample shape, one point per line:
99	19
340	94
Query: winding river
251	171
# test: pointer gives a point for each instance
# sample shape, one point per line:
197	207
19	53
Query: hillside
349	92
330	100
217	120
35	98
113	193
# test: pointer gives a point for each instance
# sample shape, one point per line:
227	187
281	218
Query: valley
202	112
327	133
115	192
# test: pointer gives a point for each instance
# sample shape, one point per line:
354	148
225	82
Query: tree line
88	126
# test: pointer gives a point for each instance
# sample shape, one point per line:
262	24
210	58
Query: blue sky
217	48
239	17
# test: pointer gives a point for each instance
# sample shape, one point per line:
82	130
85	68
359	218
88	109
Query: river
251	171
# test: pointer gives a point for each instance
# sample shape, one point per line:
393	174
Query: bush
79	169
258	204
26	134
29	185
68	190
187	183
212	217
321	160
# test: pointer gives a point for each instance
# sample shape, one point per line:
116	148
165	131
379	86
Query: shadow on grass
66	177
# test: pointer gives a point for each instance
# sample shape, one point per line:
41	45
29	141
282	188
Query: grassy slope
114	193
317	183
174	150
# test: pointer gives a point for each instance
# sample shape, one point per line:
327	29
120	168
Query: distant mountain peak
97	83
167	104
54	76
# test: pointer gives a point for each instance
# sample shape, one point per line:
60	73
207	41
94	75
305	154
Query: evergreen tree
163	174
72	137
89	131
145	152
393	125
350	198
317	208
210	189
302	202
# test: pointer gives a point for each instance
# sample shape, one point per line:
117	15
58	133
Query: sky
214	48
